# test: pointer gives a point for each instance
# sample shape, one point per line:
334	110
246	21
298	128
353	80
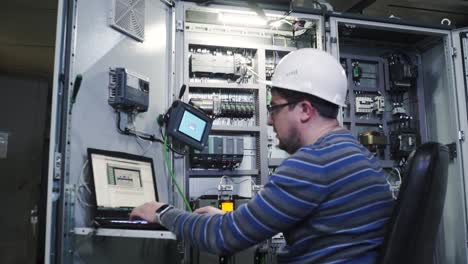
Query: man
329	198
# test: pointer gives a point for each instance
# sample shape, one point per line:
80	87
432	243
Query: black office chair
418	211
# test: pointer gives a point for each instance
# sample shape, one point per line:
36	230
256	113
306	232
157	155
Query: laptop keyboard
127	224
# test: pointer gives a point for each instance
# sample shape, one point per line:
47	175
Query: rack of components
232	155
382	105
404	127
222	152
223	83
233	107
231	65
223	66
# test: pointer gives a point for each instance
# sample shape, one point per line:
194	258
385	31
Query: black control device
128	92
188	125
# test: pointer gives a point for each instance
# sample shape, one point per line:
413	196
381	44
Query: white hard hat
314	72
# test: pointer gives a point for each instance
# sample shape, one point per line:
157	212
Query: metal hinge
179	26
454	52
333	40
461	136
57	165
70	188
327	26
452	147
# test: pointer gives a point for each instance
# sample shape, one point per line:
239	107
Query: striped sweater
330	199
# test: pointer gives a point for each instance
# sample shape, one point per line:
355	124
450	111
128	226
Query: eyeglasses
273	108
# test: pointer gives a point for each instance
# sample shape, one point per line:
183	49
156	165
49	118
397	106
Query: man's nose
270	120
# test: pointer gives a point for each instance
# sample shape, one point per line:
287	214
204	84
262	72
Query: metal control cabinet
87	45
441	103
202	35
203	43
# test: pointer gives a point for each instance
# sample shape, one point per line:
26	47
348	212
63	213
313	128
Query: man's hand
209	210
146	211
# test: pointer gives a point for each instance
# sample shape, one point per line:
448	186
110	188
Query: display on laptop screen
192	126
122	182
124	176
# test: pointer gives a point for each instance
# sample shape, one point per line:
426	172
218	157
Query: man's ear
307	111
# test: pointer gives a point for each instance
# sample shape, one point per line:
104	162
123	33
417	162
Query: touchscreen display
192	126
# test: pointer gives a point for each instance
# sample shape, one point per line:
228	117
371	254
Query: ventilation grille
128	17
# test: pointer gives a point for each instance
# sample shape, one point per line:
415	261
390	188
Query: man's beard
292	143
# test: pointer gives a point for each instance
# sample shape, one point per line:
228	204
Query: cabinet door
441	105
56	134
21	138
460	69
88	45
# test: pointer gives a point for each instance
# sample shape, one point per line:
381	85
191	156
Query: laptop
121	182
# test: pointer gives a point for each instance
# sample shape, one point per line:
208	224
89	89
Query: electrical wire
81	183
250	179
147	148
299	30
285	15
119	129
143	136
130	132
171	148
235	182
395	185
80	199
171	173
225	177
136	140
151	138
137	137
256	74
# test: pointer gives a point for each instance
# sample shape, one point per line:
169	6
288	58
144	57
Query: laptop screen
122	179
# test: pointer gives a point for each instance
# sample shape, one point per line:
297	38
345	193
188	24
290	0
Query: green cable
169	168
